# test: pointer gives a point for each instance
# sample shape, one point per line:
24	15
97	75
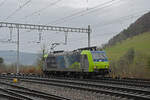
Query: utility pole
10	36
89	35
66	35
18	50
41	28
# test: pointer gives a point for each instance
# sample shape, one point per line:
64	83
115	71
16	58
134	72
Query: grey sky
106	21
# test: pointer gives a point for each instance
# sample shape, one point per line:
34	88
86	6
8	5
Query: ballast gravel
69	93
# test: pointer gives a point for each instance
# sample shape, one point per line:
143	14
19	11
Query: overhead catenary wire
40	36
10	35
94	10
18	9
88	12
2	3
81	12
42	9
20	3
87	1
134	15
124	18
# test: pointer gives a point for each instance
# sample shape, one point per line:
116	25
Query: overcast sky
106	17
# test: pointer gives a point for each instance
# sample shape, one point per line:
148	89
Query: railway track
115	89
14	95
7	96
21	93
144	84
129	82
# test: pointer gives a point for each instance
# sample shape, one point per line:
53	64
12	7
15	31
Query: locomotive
81	62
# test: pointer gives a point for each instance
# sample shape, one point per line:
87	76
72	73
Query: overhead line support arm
43	27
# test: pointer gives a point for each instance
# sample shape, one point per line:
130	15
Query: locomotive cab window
99	56
50	59
85	56
51	62
84	61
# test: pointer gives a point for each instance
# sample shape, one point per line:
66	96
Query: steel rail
36	94
9	97
112	90
102	89
119	82
140	81
15	94
145	84
89	84
137	84
33	92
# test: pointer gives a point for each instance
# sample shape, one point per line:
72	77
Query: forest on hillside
128	52
140	26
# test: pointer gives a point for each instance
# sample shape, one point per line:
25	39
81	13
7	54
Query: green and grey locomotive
86	62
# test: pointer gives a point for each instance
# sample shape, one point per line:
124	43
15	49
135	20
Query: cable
20	2
122	18
18	9
2	2
40	10
89	12
111	3
10	35
87	1
74	14
80	12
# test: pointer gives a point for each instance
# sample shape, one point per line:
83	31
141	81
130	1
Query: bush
129	56
1	60
148	62
132	64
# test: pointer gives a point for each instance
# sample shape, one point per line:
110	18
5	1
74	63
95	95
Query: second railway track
16	92
111	89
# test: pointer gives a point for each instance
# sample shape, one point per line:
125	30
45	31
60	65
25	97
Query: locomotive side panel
67	62
84	63
51	62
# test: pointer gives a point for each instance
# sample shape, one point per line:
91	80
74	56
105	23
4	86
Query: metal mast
18	50
19	26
